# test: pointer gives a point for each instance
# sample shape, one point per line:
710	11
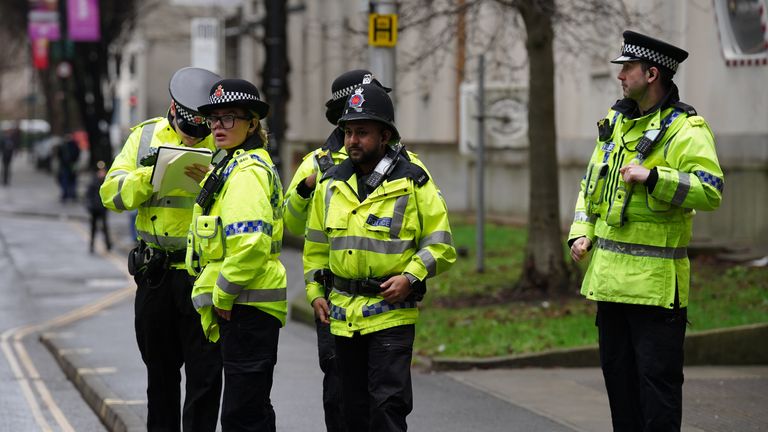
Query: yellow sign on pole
382	30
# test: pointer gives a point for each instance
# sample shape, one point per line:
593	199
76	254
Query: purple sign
83	20
43	24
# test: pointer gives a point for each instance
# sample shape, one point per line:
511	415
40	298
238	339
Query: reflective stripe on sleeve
147	131
117	201
262	295
228	287
202	300
641	250
683	186
580	216
429	261
437	237
316	236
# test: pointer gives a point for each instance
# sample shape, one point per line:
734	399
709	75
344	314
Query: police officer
377	229
167	327
236	231
653	166
297	198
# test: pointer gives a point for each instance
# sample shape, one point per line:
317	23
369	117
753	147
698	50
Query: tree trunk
544	267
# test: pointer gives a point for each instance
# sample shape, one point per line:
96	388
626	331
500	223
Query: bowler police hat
189	88
232	92
343	86
641	47
370	102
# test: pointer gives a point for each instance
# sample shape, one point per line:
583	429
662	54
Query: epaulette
408	169
148	121
243	159
691	111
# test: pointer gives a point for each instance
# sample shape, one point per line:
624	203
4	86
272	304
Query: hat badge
219	92
197	119
357	99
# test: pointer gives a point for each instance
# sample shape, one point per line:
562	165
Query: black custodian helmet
370	102
189	88
232	92
343	86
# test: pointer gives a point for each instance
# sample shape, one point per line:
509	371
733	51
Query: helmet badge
197	119
219	91
357	99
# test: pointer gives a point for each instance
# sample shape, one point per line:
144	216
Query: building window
742	28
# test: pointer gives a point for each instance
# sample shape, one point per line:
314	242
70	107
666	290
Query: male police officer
654	164
297	198
167	326
377	228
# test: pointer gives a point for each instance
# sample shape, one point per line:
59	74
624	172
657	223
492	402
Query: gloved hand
150	158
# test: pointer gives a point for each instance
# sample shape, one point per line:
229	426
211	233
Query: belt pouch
615	217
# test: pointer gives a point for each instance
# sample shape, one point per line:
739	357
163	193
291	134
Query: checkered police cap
346	83
641	47
235	93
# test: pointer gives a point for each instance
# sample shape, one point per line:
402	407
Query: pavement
111	377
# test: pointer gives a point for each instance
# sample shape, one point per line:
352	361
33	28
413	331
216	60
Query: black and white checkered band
343	93
189	116
227	97
649	54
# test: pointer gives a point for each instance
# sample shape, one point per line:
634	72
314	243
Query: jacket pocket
209	237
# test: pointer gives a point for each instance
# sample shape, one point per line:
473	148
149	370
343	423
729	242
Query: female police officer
236	233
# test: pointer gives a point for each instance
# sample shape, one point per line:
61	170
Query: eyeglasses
227	121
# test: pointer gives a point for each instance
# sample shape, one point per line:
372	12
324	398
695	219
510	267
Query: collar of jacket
630	110
335	141
404	168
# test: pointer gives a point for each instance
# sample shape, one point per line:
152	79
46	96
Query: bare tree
497	27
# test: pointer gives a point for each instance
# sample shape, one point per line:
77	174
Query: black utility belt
369	287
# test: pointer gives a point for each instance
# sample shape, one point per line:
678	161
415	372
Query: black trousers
641	354
375	372
249	349
99	218
169	335
332	404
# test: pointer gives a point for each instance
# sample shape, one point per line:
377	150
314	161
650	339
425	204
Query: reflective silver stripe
261	295
117	201
328	195
582	217
202	300
228	287
683	186
316	236
371	245
170	202
641	250
117	173
398	216
293	211
248	296
437	237
167	242
429	261
147	131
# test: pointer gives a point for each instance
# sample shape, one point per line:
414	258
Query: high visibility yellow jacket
296	207
640	236
401	226
238	242
161	222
